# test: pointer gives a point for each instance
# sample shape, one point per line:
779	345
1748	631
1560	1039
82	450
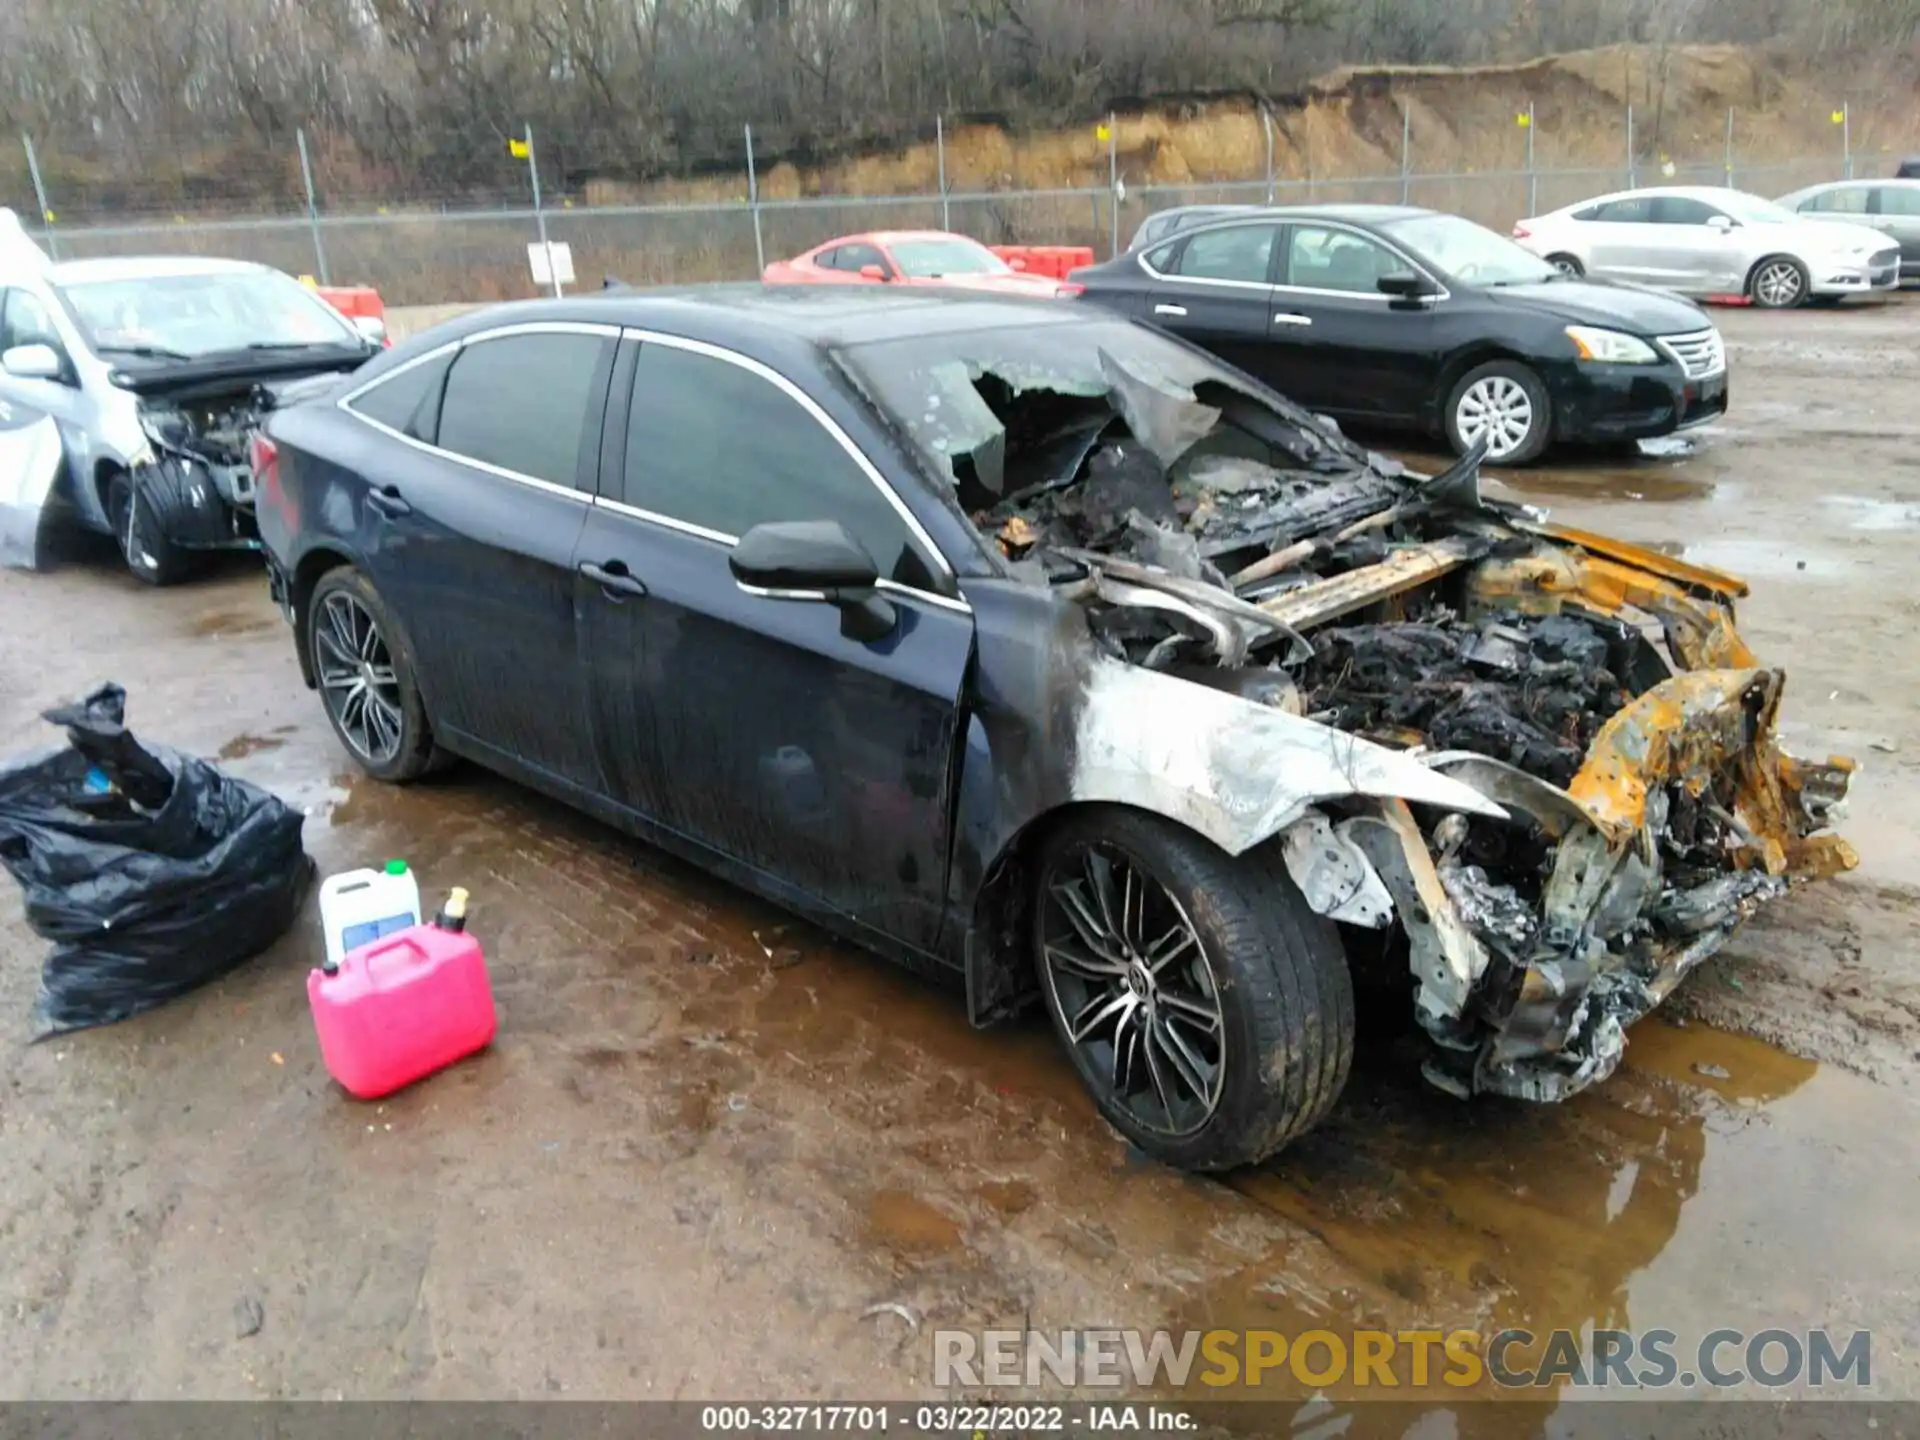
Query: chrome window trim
1271	288
530	327
1385	244
720	537
820	417
669	522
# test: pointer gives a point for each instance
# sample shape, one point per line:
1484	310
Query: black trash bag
151	871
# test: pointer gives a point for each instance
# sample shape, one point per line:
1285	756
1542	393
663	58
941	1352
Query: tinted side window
1238	252
24	321
1162	259
1899	200
715	445
522	402
1320	258
410	401
852	257
1839	202
1679	210
828	259
1636	211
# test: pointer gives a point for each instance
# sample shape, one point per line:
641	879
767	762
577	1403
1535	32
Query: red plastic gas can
403	1006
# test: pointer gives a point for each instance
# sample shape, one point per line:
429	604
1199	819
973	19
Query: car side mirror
1404	285
873	272
1722	223
33	362
372	329
1018	262
815	560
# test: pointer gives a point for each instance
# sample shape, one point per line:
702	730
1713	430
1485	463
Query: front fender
1236	772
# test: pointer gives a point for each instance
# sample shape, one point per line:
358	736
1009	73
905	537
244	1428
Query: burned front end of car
1620	800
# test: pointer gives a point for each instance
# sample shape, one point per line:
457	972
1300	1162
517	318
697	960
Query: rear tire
1507	401
1214	1010
1567	265
150	557
1778	282
365	677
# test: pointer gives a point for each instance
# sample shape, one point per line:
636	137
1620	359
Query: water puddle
230	622
1632	483
241	746
1764	559
1864	514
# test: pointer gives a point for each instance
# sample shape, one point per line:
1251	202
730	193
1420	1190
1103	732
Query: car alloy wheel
1779	284
1131	983
1567	266
1498	407
357	679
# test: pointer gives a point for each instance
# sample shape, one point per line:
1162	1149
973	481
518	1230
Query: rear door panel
477	558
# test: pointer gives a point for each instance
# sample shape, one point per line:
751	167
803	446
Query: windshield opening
1470	253
1105	435
931	259
195	315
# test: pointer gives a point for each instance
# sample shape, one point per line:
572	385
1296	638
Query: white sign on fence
551	261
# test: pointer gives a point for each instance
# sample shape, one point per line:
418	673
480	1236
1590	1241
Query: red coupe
912	257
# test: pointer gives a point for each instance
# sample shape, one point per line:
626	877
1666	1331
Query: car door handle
614	578
1291	317
388	501
1175	310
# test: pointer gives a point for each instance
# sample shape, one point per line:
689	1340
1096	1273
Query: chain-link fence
299	209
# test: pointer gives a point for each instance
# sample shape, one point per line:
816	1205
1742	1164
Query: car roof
1685	192
145	267
1359	214
889	237
752	317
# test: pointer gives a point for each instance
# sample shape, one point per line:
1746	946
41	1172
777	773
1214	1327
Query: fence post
940	144
1266	124
539	211
1729	165
1632	165
1406	145
1113	183
313	211
40	197
1846	136
1533	174
753	202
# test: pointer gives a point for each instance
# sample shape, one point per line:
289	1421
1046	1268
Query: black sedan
982	632
1394	316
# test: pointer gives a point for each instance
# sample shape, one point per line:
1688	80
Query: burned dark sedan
1033	647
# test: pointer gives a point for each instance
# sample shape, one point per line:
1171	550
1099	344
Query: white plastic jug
359	906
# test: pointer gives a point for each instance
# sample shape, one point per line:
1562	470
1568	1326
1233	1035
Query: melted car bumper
1684	817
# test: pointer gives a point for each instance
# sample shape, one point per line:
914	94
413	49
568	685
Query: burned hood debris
1596	696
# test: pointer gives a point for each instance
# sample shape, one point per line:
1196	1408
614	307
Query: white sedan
1705	241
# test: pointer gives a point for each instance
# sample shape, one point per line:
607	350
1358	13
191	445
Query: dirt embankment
1350	123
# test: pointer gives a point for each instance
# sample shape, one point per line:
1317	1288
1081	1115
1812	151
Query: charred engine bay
1259	507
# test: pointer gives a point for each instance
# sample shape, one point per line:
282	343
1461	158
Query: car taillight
1520	232
1067	289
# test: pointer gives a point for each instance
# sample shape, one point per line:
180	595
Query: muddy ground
689	1166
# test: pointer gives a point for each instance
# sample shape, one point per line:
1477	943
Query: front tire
1505	401
366	683
1205	1007
150	557
1778	282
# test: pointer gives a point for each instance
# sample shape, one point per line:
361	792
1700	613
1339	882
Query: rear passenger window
409	400
712	444
1635	211
522	402
1839	202
1238	252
